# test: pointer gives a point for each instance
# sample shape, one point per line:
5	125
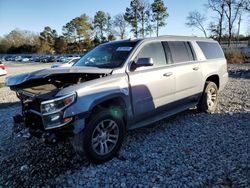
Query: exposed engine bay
47	87
37	88
31	93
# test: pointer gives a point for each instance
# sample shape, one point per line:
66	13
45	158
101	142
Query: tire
209	99
102	137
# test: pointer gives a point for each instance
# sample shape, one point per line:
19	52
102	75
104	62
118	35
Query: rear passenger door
187	70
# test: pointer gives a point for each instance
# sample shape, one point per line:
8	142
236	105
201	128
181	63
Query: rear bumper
223	81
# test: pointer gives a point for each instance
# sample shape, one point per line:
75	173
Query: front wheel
209	98
102	138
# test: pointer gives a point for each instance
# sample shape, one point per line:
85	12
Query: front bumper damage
47	106
34	121
27	128
20	128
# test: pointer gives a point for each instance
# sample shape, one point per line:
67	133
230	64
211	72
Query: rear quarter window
211	50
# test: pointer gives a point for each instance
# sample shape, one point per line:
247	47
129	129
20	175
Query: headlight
52	111
55	105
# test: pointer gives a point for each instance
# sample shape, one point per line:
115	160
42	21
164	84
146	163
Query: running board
161	116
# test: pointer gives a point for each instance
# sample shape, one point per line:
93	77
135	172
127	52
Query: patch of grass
234	56
1	85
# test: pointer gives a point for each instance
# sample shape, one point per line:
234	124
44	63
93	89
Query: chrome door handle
167	74
196	68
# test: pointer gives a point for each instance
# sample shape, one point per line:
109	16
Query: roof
176	37
167	37
126	40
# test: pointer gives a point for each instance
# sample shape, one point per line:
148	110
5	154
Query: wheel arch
214	78
118	104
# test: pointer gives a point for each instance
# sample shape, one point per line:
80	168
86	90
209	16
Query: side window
211	50
179	50
155	51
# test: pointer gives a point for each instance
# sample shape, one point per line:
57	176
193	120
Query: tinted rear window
180	51
211	50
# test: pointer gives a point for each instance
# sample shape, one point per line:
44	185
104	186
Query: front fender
85	104
82	108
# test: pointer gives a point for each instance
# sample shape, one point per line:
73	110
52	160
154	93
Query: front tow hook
19	127
49	138
18	123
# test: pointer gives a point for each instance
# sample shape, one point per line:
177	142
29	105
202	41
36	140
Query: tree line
140	19
225	26
83	33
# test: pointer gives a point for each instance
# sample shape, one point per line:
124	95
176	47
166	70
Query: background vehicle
2	69
118	86
69	63
25	59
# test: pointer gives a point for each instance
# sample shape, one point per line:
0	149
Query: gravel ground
187	150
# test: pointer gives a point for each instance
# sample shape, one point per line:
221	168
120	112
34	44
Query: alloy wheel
105	137
211	97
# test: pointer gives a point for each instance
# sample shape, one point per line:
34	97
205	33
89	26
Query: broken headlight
52	106
52	111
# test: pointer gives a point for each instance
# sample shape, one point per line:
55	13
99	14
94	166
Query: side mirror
144	62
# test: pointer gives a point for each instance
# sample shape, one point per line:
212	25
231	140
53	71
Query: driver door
152	87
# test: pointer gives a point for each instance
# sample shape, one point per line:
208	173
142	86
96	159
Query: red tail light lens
2	67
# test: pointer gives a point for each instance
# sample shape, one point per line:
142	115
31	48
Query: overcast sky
34	15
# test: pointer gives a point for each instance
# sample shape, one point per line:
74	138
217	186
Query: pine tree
159	14
100	23
132	16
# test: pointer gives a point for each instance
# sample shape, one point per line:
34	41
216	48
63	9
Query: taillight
2	67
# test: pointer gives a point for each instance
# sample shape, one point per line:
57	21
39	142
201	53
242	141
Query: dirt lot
187	150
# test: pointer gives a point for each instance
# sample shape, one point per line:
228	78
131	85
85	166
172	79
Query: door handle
196	68
167	74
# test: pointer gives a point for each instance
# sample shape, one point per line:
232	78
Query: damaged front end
42	108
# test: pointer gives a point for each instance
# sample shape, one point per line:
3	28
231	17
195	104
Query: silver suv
120	86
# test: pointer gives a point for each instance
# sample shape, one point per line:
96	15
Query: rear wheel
209	98
102	138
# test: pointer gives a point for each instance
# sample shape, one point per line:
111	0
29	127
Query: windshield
109	55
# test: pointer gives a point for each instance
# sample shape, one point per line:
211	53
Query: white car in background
2	69
25	59
68	63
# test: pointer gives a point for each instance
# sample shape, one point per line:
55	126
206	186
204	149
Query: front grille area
31	105
29	101
34	105
33	121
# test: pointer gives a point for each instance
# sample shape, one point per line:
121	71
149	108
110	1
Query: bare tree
195	19
19	37
120	25
232	11
214	29
238	31
246	6
219	7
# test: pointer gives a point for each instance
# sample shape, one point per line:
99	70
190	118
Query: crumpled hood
43	73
